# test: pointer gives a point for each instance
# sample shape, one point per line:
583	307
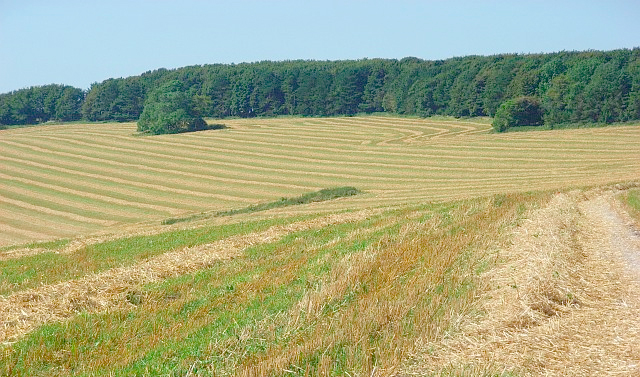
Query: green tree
169	110
606	93
345	96
98	103
241	94
521	111
633	102
589	86
68	105
556	99
373	92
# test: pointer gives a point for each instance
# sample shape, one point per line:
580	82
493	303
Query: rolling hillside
469	253
70	180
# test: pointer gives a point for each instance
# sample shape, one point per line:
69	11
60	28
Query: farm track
88	177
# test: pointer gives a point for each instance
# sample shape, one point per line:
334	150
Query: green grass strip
49	268
313	197
632	199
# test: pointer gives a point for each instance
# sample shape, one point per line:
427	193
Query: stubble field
469	253
70	180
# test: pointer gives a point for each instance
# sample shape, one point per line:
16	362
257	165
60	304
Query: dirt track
620	235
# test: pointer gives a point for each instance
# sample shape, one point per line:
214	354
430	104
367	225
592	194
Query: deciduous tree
169	110
521	111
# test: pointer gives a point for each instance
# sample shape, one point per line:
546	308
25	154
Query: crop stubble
119	178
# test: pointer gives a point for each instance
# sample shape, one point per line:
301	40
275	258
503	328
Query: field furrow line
308	171
174	168
50	211
367	132
370	156
133	179
78	205
250	147
267	165
309	133
101	183
23	311
490	139
8	230
441	128
574	147
409	175
267	162
28	219
400	129
87	194
588	139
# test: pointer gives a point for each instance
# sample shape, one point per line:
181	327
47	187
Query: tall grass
632	199
347	299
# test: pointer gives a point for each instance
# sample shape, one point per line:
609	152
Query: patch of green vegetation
632	199
569	126
317	196
211	311
48	245
47	268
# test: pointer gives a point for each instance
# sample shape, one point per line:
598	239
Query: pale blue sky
77	42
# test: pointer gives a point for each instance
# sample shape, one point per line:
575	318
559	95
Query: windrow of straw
72	180
365	316
561	301
119	287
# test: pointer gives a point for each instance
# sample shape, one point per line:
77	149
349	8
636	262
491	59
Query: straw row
562	301
24	311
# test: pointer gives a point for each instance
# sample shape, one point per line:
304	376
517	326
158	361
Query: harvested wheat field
518	285
466	254
71	180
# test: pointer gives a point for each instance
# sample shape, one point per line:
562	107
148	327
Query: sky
80	42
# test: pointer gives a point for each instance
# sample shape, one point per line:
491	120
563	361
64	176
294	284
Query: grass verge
632	200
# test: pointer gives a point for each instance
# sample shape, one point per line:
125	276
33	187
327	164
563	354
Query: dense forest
591	86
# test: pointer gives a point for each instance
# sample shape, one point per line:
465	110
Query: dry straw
118	287
562	301
89	178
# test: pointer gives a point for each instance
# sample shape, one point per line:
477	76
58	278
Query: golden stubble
560	302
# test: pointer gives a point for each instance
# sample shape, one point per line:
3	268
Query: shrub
521	111
170	110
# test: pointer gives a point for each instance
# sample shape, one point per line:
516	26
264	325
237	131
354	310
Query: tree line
590	86
41	104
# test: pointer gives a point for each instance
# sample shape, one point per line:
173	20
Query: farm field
63	181
469	253
525	284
